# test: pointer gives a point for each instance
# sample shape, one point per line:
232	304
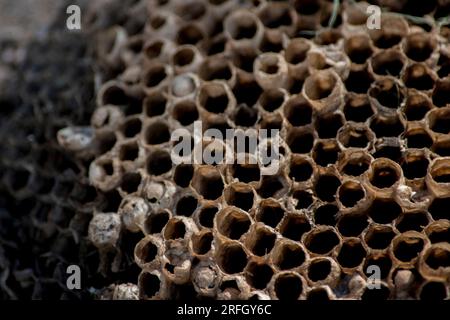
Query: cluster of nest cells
359	207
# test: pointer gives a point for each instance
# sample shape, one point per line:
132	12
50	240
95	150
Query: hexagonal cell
296	51
215	68
186	205
261	241
146	250
352	225
288	286
156	221
294	226
129	151
154	75
240	195
131	182
300	141
358	48
300	169
185	112
416	221
439	120
155	104
440	95
288	255
149	285
159	162
415	165
157	133
319	269
418	139
419	46
270	213
355	164
233	223
440	171
407	247
433	291
384	210
350	193
174	229
208	182
272	186
388	62
182	175
244	58
214	97
359	80
326	186
271	100
357	108
393	30
201	243
326	152
189	34
418	76
303	198
379	237
275	15
231	257
417	106
355	136
328	125
387	92
442	148
258	275
384	173
436	257
438	231
206	216
438	208
383	261
241	25
106	141
132	127
326	214
321	241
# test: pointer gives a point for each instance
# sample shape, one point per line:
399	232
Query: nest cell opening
288	286
352	225
155	222
208	183
350	193
300	169
232	258
319	269
322	242
174	229
289	256
379	237
233	224
186	206
206	216
258	275
320	85
294	226
159	162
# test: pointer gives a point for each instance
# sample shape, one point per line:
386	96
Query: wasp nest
364	172
363	182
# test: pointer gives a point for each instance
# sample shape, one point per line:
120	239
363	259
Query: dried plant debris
364	174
